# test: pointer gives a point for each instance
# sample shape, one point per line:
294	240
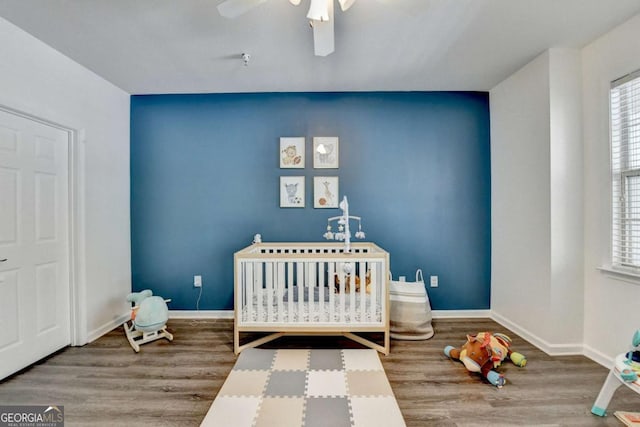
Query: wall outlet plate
434	281
197	281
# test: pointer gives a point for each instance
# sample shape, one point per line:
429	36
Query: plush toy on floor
483	352
149	316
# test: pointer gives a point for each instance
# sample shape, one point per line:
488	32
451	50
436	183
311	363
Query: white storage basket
410	310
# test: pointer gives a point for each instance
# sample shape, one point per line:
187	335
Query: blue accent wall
205	178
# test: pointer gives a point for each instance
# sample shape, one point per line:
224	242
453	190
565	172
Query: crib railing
299	290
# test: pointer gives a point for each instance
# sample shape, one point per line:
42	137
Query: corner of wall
536	141
552	349
520	226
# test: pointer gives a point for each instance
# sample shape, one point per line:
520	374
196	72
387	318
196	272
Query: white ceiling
184	46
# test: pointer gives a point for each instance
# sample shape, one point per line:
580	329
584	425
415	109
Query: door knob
3	260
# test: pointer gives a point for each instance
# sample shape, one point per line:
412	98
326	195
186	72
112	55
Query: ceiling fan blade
234	8
319	10
323	36
346	4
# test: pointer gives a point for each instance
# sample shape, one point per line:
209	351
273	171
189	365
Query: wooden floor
173	384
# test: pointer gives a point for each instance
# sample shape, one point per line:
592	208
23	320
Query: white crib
301	289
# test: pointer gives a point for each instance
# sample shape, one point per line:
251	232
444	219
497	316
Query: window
625	170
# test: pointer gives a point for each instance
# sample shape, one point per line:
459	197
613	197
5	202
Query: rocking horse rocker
149	316
483	352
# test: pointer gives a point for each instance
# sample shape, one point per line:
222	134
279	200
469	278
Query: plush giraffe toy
483	352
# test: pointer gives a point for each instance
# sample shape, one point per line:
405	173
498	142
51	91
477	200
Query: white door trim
76	237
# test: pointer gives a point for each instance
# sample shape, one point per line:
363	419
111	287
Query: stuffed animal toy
347	286
485	351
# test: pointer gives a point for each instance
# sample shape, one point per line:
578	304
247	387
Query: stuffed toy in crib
149	316
347	286
485	351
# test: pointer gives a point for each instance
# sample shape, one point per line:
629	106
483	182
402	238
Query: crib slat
310	283
321	270
269	290
290	292
248	285
257	288
352	296
343	287
332	290
300	283
241	289
363	289
280	289
375	288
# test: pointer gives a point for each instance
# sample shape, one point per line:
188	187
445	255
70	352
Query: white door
34	241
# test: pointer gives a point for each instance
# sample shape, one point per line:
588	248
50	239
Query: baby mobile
344	232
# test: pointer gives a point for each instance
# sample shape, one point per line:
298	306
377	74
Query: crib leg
258	342
387	342
236	341
368	343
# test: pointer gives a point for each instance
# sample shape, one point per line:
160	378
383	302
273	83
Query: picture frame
292	152
292	193
326	194
326	153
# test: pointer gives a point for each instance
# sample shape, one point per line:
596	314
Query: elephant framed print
325	152
292	191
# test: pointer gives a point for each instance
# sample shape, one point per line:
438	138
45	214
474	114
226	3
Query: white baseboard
107	327
173	314
461	314
200	314
567	349
599	357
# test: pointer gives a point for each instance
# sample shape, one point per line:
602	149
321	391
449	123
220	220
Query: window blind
625	170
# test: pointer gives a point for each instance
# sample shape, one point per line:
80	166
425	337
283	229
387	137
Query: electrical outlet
434	281
197	281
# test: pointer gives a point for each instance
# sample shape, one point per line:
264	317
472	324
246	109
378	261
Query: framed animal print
325	192
292	191
292	152
325	152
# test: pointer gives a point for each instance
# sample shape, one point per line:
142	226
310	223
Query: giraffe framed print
325	192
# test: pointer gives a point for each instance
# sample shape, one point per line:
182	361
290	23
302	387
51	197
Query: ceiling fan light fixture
346	4
320	15
319	10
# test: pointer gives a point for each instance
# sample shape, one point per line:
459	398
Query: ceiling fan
320	15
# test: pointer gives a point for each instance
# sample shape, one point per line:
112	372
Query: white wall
611	313
40	81
520	203
536	170
566	186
